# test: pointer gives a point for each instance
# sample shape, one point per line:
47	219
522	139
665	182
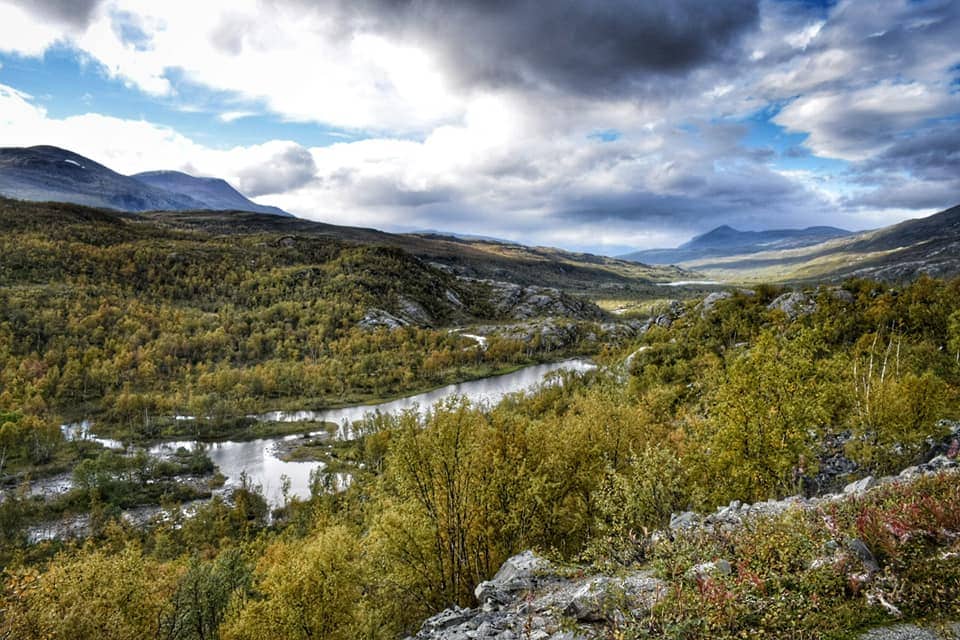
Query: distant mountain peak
725	241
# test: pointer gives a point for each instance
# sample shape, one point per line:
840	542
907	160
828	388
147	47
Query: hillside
727	241
51	174
899	252
839	510
480	259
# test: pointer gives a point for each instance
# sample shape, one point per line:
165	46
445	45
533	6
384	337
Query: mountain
727	241
902	251
47	173
213	193
52	174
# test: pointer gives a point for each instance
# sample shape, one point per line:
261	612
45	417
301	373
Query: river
258	460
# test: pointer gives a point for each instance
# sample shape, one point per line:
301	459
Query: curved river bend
258	460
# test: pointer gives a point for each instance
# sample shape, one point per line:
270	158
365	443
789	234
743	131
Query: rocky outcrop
525	302
529	597
794	303
711	301
377	318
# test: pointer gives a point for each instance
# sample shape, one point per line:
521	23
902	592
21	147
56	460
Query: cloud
578	46
73	13
280	167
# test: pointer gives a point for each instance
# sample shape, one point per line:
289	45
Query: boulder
711	301
713	569
860	486
685	520
518	573
794	303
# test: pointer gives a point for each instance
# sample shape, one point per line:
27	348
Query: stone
713	569
587	603
711	301
376	318
938	463
447	618
685	520
862	552
794	303
899	632
860	486
518	573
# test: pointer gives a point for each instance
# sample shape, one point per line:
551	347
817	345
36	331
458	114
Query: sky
604	125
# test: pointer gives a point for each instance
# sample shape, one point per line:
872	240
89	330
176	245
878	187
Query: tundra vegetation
731	403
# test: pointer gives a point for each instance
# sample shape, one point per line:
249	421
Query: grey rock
938	463
518	573
842	295
376	318
711	301
714	568
526	302
446	619
601	597
795	304
685	520
899	632
414	313
860	486
862	552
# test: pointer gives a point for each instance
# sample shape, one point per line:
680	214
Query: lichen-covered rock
794	303
712	569
711	301
859	486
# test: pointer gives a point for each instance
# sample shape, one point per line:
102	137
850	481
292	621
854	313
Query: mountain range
47	173
727	241
899	252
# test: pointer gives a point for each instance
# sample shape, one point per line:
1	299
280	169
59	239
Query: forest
733	400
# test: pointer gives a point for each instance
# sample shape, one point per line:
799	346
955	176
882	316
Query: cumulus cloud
287	166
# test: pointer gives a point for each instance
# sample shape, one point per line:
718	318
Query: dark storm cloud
578	46
918	171
75	13
930	154
284	171
751	200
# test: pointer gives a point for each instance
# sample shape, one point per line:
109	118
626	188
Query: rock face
530	598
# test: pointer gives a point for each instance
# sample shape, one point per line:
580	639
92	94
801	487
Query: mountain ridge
725	240
46	173
216	193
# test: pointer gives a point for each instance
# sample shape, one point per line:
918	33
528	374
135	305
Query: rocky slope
531	597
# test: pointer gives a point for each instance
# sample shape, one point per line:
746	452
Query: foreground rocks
529	597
